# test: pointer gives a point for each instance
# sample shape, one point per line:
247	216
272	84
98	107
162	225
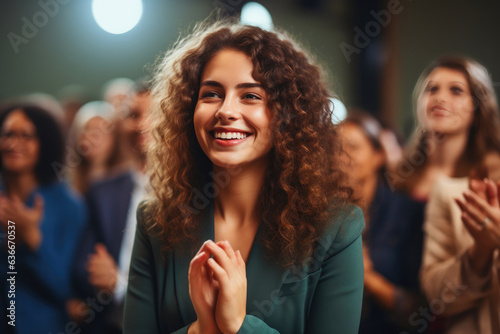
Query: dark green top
322	296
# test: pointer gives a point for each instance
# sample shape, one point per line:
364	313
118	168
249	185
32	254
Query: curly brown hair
304	187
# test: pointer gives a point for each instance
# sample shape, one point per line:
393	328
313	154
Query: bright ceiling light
117	16
254	14
339	110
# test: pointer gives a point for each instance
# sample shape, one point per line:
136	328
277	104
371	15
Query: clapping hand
102	268
481	213
481	217
27	219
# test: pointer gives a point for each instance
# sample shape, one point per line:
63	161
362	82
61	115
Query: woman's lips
231	142
230	135
439	111
12	154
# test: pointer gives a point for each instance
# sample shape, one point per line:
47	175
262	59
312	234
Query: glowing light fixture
254	14
117	16
339	111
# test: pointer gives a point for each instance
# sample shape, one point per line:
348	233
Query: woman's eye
457	90
432	89
251	97
210	95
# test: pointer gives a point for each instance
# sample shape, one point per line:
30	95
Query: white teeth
230	135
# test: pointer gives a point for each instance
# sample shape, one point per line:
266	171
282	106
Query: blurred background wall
376	71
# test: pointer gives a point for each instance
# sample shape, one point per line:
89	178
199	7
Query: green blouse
322	296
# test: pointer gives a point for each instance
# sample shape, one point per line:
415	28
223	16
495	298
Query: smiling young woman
232	120
251	227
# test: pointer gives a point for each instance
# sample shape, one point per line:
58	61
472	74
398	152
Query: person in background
457	103
244	168
119	93
72	97
392	142
392	239
450	139
104	255
48	218
95	146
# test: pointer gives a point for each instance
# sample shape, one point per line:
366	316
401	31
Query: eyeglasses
21	137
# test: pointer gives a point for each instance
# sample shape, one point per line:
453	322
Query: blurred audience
104	256
72	97
119	93
393	147
392	241
93	138
459	113
50	104
73	272
48	217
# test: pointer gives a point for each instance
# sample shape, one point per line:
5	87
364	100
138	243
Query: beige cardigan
449	283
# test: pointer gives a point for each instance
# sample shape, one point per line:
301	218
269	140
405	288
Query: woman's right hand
203	290
27	219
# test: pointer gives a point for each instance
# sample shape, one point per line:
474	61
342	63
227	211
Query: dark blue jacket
108	203
394	238
42	282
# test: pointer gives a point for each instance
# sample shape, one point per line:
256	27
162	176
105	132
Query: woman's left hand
482	217
229	270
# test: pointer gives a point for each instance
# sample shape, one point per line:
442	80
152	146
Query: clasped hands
218	288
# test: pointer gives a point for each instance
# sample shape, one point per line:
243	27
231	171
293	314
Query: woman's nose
228	111
440	96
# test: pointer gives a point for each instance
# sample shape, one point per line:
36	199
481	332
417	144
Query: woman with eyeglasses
40	219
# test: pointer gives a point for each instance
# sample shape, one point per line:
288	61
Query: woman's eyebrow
211	83
249	85
458	82
238	86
